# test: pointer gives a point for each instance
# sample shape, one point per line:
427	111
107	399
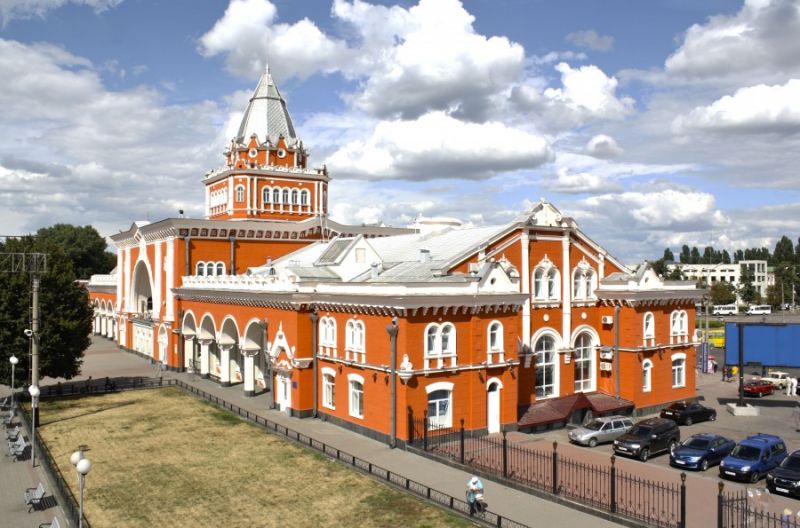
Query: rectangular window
361	255
328	394
678	373
356	399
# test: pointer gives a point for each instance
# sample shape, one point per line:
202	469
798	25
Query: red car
758	388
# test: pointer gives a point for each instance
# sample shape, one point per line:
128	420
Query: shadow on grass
90	413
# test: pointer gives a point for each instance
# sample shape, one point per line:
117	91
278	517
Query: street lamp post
33	390
84	466
13	360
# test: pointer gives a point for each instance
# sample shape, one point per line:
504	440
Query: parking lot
776	417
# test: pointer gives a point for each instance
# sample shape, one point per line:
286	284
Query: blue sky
652	123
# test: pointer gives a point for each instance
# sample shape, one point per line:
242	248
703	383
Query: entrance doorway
283	391
493	406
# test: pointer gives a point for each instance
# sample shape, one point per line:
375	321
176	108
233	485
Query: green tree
784	252
685	256
668	255
675	274
695	256
773	296
83	245
722	293
726	258
747	291
738	255
65	314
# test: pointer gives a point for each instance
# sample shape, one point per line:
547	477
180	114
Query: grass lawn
163	458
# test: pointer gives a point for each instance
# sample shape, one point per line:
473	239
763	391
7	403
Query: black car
701	451
786	477
648	437
688	413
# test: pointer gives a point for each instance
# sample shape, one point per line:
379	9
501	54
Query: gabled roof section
266	116
335	252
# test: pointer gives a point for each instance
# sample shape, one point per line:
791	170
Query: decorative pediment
543	214
583	265
545	263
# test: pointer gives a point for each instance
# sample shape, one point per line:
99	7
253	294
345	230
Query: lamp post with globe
13	360
84	466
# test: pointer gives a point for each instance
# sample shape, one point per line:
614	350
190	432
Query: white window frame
327	336
584	357
545	276
355	397
266	197
305	198
355	334
553	365
649	329
276	195
647	375
679	368
436	422
584	282
200	268
329	388
679	327
436	357
240	193
495	353
219	268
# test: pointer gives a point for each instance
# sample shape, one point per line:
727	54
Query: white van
724	309
759	309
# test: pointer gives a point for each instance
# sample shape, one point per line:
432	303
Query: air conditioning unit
605	366
608	356
607	319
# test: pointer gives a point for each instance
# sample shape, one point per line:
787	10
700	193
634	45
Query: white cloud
667	208
438	146
588	90
591	39
567	182
760	39
75	147
603	146
756	109
22	9
248	33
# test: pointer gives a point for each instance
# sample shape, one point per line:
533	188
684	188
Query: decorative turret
266	175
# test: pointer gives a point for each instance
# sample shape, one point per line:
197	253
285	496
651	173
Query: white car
777	378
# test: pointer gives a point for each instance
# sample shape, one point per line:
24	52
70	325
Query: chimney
374	270
424	255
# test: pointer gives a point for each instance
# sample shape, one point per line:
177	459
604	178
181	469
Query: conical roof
266	115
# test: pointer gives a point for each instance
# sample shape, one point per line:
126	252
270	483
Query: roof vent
374	270
424	255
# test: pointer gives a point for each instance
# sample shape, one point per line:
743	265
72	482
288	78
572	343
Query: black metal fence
62	492
601	487
748	510
102	386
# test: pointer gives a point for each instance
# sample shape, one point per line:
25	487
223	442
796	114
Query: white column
566	289
126	288
208	201
224	363
158	272
120	275
526	285
170	272
204	356
109	328
249	373
230	194
103	326
601	267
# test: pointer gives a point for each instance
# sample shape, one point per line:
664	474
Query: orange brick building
521	325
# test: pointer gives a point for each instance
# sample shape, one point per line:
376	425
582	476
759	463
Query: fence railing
746	509
102	386
600	487
62	492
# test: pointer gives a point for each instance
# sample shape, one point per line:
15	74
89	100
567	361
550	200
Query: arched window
266	195
577	285
240	193
647	375
220	268
285	196
200	269
440	405
584	363
540	284
294	197
276	196
679	326
649	329
440	345
678	370
327	336
210	269
305	197
349	332
545	352
545	282
584	282
354	341
588	278
552	284
328	388
495	348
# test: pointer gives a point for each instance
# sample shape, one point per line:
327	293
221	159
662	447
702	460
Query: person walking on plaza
793	383
475	495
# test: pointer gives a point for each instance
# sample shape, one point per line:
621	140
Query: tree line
65	320
784	259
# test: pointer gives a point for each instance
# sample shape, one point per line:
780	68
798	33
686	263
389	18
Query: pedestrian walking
786	518
789	386
475	495
793	382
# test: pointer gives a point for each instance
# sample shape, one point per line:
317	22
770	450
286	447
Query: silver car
603	429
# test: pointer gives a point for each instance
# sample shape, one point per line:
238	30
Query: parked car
701	451
602	429
753	457
777	378
688	413
786	477
758	388
648	437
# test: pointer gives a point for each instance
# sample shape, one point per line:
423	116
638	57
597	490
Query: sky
653	124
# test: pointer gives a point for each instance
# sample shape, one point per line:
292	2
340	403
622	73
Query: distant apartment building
732	273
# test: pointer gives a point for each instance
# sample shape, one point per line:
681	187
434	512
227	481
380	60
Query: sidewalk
15	477
103	359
